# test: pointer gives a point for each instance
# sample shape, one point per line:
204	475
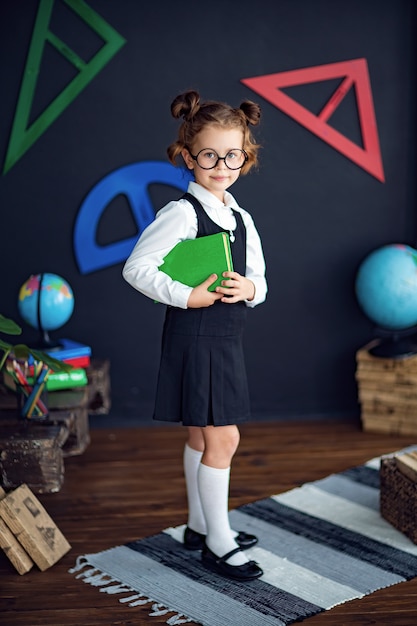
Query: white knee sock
213	486
196	519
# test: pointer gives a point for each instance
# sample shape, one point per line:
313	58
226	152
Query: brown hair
197	114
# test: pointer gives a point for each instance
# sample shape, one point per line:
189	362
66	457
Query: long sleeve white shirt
176	222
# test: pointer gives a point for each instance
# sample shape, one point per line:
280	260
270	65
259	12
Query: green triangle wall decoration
23	137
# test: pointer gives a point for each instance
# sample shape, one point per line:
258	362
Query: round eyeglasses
207	158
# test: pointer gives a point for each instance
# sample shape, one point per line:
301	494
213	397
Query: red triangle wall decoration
354	74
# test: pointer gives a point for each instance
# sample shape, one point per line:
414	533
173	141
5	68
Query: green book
192	261
76	377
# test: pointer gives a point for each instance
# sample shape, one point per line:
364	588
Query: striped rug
320	545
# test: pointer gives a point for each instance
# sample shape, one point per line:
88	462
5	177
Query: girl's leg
193	451
220	444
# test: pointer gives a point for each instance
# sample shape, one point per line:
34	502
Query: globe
46	301
386	287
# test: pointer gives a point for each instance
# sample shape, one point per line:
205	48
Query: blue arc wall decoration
131	181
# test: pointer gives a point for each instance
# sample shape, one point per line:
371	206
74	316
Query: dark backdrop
318	213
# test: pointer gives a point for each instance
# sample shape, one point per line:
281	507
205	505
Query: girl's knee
196	438
221	443
233	439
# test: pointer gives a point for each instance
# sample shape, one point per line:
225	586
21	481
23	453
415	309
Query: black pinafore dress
202	376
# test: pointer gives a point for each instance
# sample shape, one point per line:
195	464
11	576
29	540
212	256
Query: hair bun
186	105
252	112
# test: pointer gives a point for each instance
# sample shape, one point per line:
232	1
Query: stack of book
76	354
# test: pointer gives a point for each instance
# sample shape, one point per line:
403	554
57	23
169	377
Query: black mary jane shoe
197	541
247	571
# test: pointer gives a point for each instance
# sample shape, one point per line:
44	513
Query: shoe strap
224	558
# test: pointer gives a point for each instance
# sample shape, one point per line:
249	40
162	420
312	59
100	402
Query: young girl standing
202	380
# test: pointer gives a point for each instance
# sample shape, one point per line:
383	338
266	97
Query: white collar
209	199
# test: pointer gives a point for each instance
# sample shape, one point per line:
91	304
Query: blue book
68	349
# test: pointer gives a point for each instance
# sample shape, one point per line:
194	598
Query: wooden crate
70	407
387	391
31	453
99	387
76	420
95	396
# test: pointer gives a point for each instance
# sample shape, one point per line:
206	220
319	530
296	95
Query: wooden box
99	398
76	420
38	534
70	407
31	453
398	499
387	391
14	550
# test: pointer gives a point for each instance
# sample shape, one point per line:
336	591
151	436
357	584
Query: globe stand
45	342
395	344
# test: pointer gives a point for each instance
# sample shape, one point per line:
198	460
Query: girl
202	380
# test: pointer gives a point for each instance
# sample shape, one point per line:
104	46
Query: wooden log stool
31	453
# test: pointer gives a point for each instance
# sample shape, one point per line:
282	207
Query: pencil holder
29	383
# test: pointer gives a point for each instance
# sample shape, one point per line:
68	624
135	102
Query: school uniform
202	377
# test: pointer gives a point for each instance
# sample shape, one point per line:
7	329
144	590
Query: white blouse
176	222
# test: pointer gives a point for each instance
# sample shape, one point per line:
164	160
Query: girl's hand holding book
201	297
236	288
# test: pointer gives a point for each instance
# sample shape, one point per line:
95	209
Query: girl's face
222	141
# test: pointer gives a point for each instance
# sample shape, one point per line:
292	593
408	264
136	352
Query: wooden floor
129	484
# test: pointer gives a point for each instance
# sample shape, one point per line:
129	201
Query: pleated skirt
202	376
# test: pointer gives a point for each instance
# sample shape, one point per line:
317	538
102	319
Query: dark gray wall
318	213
